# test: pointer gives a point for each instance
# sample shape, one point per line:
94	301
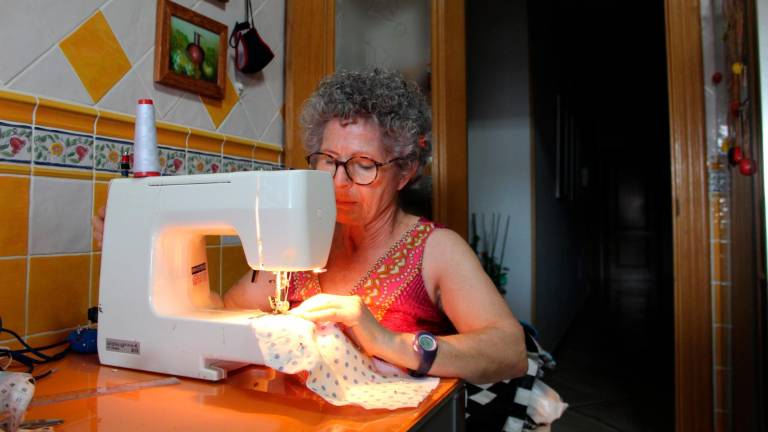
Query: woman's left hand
350	311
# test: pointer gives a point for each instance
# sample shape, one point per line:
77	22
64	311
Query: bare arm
245	294
490	344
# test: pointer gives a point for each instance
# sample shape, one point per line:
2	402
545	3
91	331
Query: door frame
310	46
694	407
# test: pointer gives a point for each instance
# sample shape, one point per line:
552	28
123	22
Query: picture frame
190	50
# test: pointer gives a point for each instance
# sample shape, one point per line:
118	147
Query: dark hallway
603	211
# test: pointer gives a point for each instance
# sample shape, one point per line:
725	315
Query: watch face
427	342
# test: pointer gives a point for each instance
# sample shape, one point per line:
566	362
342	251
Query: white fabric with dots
338	371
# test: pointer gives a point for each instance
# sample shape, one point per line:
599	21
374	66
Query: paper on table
338	371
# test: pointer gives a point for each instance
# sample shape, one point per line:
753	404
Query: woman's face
358	204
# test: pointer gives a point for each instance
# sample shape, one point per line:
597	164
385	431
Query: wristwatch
425	345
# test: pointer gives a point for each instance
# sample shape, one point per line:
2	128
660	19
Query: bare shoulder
446	253
445	244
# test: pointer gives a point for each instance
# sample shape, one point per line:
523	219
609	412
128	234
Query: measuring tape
101	391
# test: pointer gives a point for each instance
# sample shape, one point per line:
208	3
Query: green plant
485	248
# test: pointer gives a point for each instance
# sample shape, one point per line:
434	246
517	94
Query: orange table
252	399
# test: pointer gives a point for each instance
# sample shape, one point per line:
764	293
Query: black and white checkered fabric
502	406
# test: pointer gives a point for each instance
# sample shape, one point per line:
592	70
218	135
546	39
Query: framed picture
190	50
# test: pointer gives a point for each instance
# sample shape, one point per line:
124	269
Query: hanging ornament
747	167
717	77
725	145
735	107
737	68
735	155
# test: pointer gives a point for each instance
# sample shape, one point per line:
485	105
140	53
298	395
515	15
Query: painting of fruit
193	50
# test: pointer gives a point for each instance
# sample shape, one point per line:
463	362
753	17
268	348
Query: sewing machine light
319	270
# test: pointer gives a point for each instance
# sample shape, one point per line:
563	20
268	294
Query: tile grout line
93	204
29	218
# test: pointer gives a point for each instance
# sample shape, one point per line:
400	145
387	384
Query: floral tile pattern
203	163
15	143
262	166
234	165
172	161
61	148
108	152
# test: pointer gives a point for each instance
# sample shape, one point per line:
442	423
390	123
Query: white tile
274	74
188	3
270	22
164	97
259	106
483	397
53	76
238	124
190	111
125	94
61	216
274	132
36	26
133	23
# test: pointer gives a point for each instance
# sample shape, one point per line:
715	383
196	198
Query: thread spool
145	159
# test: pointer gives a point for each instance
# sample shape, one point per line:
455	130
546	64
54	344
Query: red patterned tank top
393	289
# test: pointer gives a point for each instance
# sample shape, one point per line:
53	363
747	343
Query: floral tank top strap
395	270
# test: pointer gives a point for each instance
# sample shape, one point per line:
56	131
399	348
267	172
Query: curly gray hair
396	105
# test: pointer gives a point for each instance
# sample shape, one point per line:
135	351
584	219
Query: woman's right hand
98	225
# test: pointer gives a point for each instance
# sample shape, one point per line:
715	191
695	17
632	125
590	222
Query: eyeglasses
360	169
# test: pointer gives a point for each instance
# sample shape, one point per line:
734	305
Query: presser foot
279	306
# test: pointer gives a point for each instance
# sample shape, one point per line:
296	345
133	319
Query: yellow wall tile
267	153
95	275
17	169
14	219
241	147
47	339
169	134
13	284
214	268
66	116
96	56
219	109
16	107
206	141
58	292
45	171
115	125
99	201
233	266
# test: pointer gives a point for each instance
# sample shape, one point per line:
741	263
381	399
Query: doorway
603	210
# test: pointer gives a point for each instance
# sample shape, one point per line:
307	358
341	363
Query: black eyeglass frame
337	162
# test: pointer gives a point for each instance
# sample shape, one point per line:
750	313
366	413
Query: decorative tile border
236	164
83	138
172	161
203	163
261	166
63	149
15	143
108	152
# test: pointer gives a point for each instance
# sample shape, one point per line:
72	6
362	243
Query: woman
393	280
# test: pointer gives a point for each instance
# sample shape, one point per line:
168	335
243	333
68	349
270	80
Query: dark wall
605	61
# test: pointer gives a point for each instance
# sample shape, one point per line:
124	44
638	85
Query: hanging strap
246	24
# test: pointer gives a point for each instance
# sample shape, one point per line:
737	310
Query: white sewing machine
156	312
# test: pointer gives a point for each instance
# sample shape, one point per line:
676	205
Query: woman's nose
340	177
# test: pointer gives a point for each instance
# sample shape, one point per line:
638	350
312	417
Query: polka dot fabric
16	390
338	371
